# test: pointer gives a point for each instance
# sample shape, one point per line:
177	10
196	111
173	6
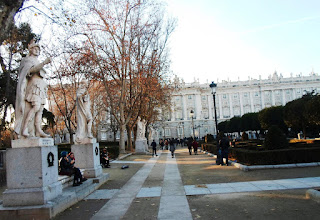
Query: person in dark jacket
189	143
104	158
67	169
224	147
154	148
161	144
77	173
172	146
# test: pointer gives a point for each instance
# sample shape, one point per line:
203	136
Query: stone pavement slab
103	194
173	202
268	185
149	192
291	183
117	207
310	181
196	190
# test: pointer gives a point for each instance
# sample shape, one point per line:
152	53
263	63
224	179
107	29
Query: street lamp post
191	114
213	87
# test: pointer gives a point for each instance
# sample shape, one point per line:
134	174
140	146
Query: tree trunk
122	144
129	130
8	9
114	136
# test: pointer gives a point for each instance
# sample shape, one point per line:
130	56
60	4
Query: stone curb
70	196
260	167
313	194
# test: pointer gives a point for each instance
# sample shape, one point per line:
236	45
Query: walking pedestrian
195	146
154	148
189	143
161	144
172	147
224	146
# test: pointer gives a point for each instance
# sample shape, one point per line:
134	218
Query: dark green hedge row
113	148
271	157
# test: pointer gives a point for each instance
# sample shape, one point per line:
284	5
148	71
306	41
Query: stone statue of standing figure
84	115
141	129
31	95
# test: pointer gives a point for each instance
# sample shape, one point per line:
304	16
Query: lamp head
191	113
213	87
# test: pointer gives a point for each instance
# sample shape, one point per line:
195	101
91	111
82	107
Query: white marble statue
84	115
141	129
31	95
151	133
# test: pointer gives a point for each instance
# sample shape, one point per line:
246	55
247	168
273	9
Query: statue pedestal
32	174
32	142
141	146
88	158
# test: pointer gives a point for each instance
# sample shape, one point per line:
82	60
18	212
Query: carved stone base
88	158
32	142
141	147
32	176
85	141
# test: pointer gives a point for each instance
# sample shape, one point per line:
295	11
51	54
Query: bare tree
125	36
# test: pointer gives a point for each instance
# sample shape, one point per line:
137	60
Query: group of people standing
168	144
171	144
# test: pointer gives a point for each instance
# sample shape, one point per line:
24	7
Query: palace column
209	97
184	107
198	106
273	100
251	101
231	105
262	99
283	97
241	103
220	106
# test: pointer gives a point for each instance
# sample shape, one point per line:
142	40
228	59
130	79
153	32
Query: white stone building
233	98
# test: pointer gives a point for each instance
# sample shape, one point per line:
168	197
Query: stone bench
67	180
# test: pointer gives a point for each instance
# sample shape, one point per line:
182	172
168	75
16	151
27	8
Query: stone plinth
32	142
88	158
32	176
85	141
141	146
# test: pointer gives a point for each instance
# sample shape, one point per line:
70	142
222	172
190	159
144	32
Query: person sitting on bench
67	169
104	158
77	172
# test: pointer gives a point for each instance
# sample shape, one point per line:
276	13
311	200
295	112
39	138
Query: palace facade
233	98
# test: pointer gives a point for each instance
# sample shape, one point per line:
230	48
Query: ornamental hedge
272	157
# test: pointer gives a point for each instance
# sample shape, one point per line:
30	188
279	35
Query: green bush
275	139
113	148
271	157
244	136
212	148
210	138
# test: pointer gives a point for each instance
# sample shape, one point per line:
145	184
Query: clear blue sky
231	39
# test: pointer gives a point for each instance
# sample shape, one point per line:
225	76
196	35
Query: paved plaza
193	187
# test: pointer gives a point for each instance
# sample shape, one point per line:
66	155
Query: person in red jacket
195	146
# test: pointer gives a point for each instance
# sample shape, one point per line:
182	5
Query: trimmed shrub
113	148
210	138
275	139
271	157
244	136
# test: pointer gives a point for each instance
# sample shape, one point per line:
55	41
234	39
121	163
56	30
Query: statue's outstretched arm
38	67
